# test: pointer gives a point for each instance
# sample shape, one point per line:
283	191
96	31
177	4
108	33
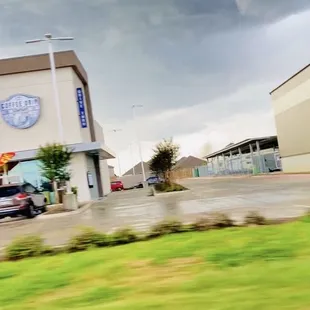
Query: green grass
265	267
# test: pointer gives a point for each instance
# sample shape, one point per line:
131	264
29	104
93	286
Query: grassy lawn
264	267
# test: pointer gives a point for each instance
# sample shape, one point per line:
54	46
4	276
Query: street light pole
49	38
137	134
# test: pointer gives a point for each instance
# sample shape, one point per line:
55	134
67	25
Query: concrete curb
57	215
155	193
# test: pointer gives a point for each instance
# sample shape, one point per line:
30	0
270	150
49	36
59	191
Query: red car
117	186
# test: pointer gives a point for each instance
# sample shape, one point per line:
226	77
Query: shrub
169	187
26	246
254	218
124	236
202	224
188	227
86	239
220	220
74	190
166	227
50	251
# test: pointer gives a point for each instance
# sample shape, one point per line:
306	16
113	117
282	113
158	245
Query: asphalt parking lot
278	196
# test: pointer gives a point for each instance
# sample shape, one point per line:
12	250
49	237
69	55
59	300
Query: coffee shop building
29	120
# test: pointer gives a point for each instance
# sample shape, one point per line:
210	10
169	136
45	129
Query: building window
30	172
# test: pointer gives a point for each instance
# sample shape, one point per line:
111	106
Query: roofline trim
290	78
74	63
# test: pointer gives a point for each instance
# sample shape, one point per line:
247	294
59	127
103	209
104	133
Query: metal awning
97	148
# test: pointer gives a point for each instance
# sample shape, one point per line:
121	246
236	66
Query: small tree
164	159
55	160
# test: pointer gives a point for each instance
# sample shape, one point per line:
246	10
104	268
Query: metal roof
244	145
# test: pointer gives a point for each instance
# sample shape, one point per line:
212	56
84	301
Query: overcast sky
202	69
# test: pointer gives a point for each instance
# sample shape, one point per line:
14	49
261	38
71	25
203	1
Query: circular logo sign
21	111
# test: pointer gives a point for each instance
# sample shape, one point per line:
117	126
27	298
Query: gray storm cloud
165	54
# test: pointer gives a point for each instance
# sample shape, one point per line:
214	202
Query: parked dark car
117	186
154	180
150	181
21	199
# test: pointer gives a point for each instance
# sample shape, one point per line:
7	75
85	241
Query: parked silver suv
21	199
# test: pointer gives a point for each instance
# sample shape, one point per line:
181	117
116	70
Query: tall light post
49	38
137	134
118	160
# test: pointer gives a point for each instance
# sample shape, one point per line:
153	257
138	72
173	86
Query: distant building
137	169
254	154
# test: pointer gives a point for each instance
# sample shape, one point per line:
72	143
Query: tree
164	158
55	160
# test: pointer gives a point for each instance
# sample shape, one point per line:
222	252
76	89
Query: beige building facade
29	120
291	105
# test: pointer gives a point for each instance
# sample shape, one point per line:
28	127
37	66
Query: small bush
188	227
86	239
23	247
124	236
51	251
254	218
74	190
166	227
220	220
169	187
202	224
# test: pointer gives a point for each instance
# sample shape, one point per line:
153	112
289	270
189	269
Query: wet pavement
276	196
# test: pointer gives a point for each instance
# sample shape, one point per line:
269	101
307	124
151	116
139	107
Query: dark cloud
165	54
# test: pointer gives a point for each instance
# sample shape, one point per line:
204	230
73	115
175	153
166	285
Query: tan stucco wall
291	104
104	168
78	169
296	164
46	129
98	132
105	176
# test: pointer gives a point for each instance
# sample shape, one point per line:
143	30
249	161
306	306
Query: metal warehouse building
254	155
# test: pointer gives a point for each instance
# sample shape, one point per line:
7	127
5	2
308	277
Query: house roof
138	168
189	162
